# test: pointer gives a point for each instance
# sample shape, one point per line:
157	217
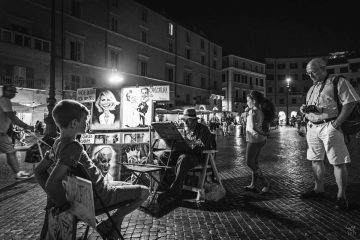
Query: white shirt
5	106
254	120
326	100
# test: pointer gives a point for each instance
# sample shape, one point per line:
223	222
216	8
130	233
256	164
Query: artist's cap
189	113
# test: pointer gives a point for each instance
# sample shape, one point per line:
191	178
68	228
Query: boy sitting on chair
199	138
72	119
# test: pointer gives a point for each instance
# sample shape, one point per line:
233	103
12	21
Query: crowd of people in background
321	125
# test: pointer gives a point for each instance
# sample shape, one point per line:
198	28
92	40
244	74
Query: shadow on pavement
265	213
15	184
352	193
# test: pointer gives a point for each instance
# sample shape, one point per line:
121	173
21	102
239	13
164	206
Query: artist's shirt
5	106
200	138
325	100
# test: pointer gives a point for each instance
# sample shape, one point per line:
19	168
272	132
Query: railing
22	82
24	40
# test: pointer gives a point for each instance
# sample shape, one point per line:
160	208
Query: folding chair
35	152
203	170
81	172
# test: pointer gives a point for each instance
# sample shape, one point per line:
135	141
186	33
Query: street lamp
115	77
51	100
288	80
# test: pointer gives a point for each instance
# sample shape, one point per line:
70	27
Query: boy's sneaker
22	175
341	204
104	229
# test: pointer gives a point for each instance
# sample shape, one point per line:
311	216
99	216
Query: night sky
272	28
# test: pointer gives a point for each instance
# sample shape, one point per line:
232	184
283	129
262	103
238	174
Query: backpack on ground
352	124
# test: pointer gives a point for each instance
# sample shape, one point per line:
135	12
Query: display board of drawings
128	110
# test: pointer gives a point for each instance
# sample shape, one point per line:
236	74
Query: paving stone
241	215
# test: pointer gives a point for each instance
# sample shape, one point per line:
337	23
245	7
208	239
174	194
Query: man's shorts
325	139
6	145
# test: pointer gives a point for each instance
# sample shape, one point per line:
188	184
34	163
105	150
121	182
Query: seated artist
72	119
199	138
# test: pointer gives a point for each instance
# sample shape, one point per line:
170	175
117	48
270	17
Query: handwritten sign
86	95
87	139
160	93
80	195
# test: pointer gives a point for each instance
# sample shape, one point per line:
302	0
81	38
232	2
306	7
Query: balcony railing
24	40
23	82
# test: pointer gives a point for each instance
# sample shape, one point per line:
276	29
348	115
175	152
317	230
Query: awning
18	107
40	108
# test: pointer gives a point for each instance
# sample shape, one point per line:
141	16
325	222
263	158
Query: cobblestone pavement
278	215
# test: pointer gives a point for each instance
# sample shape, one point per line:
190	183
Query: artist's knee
144	192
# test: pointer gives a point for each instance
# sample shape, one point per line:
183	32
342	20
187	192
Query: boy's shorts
325	139
118	192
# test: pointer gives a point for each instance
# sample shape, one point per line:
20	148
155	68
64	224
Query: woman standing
261	113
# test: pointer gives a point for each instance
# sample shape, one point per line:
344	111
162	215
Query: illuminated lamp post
51	100
288	80
115	77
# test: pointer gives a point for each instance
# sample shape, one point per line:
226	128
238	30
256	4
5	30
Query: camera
310	109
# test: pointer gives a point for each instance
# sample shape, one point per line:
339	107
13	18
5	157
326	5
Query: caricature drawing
106	106
143	106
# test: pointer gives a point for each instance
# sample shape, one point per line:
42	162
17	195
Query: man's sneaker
312	194
341	204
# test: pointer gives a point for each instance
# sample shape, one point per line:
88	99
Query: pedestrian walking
324	135
7	118
261	113
225	127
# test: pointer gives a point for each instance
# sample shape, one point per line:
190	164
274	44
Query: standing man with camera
324	135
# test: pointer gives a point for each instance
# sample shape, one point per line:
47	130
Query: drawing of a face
102	159
144	95
130	96
106	102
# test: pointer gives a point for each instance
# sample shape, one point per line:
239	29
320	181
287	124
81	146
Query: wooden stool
208	165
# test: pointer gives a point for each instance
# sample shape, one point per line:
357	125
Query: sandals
263	191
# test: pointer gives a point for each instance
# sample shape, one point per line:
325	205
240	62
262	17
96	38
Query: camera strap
320	90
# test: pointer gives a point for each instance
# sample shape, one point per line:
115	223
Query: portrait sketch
137	107
107	159
106	110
